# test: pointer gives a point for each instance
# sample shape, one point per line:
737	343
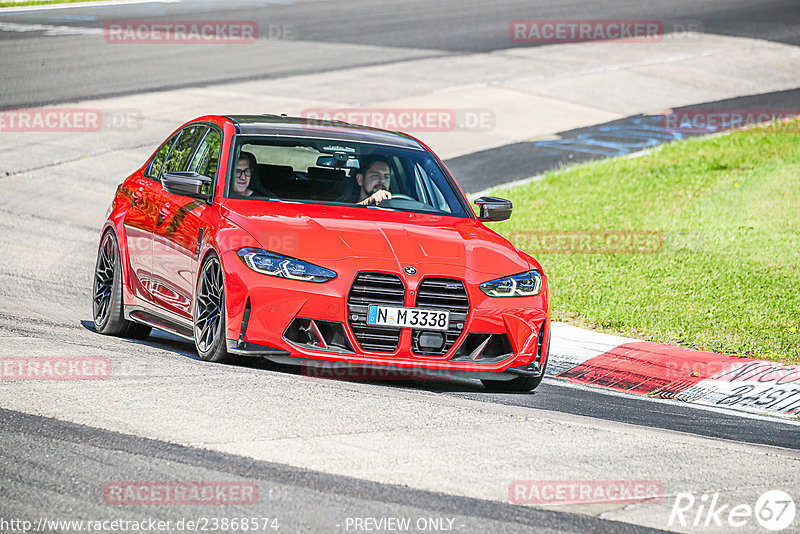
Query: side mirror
188	184
494	209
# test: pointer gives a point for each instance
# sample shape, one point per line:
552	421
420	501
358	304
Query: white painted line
49	30
44	7
571	346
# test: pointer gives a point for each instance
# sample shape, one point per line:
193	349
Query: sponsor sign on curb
754	386
668	372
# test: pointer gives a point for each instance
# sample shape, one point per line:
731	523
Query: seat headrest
323	173
275	171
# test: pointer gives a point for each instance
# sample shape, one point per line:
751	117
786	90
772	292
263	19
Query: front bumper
265	314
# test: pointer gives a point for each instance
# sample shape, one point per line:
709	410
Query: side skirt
160	321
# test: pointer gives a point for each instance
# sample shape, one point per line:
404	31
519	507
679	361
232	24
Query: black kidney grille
374	288
442	294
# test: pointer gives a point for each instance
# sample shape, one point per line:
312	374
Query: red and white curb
668	372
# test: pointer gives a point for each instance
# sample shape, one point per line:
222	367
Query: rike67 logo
774	510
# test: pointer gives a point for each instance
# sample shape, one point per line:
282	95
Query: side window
439	200
179	157
154	170
396	168
432	195
206	159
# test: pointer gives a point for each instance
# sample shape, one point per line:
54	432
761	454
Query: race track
326	452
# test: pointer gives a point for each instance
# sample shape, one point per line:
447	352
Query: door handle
199	241
163	213
138	195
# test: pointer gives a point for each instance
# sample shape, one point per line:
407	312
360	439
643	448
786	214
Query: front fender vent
318	335
483	348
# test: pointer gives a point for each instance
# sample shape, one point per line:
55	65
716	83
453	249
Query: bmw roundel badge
410	270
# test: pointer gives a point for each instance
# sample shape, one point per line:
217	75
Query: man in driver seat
373	177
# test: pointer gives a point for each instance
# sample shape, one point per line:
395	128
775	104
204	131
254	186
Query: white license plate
408	318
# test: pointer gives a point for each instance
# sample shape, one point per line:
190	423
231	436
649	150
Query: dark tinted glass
154	170
345	172
179	157
206	159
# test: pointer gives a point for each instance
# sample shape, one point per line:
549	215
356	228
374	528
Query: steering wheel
403	197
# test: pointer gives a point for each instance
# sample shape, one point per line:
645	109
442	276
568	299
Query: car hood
376	238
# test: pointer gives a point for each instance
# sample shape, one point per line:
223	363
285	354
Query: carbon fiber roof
283	126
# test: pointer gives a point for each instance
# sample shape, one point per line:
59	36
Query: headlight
266	262
517	285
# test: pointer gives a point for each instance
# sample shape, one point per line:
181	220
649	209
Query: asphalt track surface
559	396
40	70
55	466
301	500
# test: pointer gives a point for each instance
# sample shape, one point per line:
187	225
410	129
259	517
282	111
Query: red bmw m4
319	244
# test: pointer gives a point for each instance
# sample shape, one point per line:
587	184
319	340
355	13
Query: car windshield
340	172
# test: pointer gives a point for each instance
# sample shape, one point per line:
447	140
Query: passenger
245	169
246	182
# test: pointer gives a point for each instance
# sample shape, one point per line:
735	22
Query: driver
374	177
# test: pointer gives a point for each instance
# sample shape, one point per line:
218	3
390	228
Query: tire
107	311
209	313
521	384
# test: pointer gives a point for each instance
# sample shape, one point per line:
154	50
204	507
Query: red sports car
319	244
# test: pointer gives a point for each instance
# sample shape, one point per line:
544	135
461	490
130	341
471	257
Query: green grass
42	2
727	278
